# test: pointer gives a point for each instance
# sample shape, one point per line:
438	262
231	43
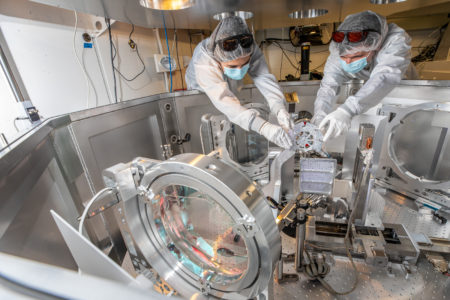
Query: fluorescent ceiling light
167	4
385	1
308	13
243	14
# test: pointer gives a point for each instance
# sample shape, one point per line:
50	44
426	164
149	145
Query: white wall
54	80
42	49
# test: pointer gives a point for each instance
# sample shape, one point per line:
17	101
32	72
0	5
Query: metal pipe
10	77
300	240
279	272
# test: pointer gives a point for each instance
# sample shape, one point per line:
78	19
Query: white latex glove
276	134
338	123
318	117
284	119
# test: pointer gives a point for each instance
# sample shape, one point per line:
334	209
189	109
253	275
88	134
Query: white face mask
235	73
355	66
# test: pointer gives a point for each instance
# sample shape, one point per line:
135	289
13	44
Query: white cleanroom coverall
204	73
389	65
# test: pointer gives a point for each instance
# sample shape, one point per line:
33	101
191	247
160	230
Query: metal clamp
246	227
145	194
187	138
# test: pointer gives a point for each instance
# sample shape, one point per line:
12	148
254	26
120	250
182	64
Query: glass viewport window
198	233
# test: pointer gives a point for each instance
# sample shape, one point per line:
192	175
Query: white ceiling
267	13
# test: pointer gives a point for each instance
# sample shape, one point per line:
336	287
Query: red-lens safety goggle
352	36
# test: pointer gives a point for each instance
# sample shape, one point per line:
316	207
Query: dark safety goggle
352	36
231	43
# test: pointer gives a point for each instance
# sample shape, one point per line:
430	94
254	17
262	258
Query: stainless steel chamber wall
58	164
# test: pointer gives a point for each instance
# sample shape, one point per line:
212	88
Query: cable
132	46
175	38
101	66
429	35
281	63
296	59
190	42
97	196
427	53
89	77
289	60
316	272
78	59
315	68
108	23
174	35
19	119
178	60
313	273
276	42
168	51
15	125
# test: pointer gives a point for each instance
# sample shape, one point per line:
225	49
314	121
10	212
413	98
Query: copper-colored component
369	143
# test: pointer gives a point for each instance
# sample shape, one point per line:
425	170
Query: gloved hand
276	134
318	117
338	123
284	119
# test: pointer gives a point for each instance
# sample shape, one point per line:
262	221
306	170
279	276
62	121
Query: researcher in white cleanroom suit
363	47
219	64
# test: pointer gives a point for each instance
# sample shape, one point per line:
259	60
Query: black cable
270	41
108	23
178	59
190	41
176	50
275	42
131	33
278	41
427	53
281	63
289	60
132	46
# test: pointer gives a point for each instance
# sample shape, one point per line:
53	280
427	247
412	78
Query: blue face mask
235	73
354	67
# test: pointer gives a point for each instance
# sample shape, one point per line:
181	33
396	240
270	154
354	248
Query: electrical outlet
162	63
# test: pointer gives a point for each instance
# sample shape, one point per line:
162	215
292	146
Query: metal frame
280	170
24	160
220	126
235	192
406	182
